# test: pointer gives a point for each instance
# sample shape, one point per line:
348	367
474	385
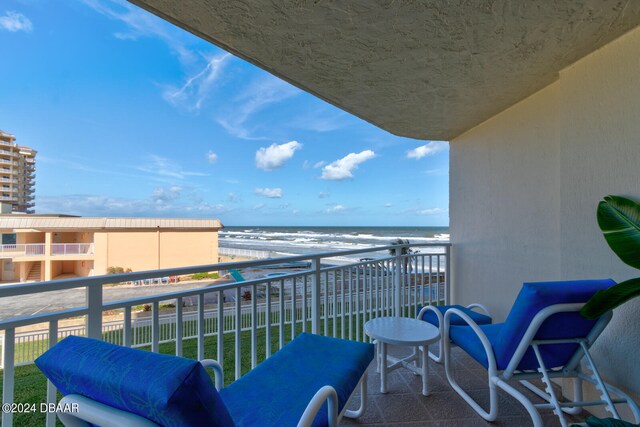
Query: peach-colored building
54	246
17	174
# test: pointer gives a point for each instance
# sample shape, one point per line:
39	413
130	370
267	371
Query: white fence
333	300
248	253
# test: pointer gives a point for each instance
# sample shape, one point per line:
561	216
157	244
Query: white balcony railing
37	249
248	317
31	249
72	249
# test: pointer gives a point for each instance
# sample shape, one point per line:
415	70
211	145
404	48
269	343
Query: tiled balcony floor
404	404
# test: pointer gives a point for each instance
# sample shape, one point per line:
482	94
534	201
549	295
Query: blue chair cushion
534	297
277	391
479	318
169	390
466	339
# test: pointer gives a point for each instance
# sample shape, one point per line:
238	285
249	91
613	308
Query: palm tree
404	250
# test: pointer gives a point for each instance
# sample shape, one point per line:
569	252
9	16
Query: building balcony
38	249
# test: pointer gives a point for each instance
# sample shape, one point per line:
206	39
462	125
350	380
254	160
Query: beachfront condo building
17	174
50	247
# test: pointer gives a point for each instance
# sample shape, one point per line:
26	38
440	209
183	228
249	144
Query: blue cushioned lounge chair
543	337
434	314
306	383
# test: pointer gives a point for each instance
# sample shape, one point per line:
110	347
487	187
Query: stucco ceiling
422	69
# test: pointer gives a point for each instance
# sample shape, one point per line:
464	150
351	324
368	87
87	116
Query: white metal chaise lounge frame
439	358
87	411
571	370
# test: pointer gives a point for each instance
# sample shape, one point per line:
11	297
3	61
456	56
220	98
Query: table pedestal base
416	363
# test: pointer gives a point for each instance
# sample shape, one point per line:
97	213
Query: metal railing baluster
52	397
179	326
254	321
238	337
8	373
155	327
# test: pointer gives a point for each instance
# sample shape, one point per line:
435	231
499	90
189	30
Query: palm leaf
619	220
609	299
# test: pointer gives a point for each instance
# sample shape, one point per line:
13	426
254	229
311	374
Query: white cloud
258	206
388	205
274	156
343	168
257	96
233	198
430	149
197	87
272	193
436	172
141	23
212	157
166	194
319	164
161	203
323	195
201	70
335	209
164	169
432	211
14	21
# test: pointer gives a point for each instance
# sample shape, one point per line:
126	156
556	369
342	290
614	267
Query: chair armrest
85	412
491	358
216	367
327	393
481	307
430	308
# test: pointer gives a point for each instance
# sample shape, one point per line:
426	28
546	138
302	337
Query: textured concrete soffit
427	70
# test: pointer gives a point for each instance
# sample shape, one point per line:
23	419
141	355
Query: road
28	305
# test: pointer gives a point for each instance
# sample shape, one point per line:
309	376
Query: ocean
285	241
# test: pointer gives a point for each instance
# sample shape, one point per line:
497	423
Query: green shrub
200	276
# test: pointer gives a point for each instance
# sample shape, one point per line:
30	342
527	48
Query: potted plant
619	220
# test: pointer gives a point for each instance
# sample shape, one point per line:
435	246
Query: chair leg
493	393
363	400
533	412
549	387
600	385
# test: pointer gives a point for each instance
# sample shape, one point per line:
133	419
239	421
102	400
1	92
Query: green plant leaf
606	422
609	299
619	220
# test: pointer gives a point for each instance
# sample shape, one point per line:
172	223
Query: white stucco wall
525	185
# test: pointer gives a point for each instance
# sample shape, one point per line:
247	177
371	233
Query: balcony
239	323
242	323
38	249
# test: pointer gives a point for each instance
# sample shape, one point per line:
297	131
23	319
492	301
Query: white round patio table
402	331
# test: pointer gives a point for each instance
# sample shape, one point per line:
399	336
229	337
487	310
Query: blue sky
132	116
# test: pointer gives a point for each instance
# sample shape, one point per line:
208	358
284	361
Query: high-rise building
17	174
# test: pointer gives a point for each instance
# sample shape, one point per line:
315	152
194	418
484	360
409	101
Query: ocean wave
318	236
